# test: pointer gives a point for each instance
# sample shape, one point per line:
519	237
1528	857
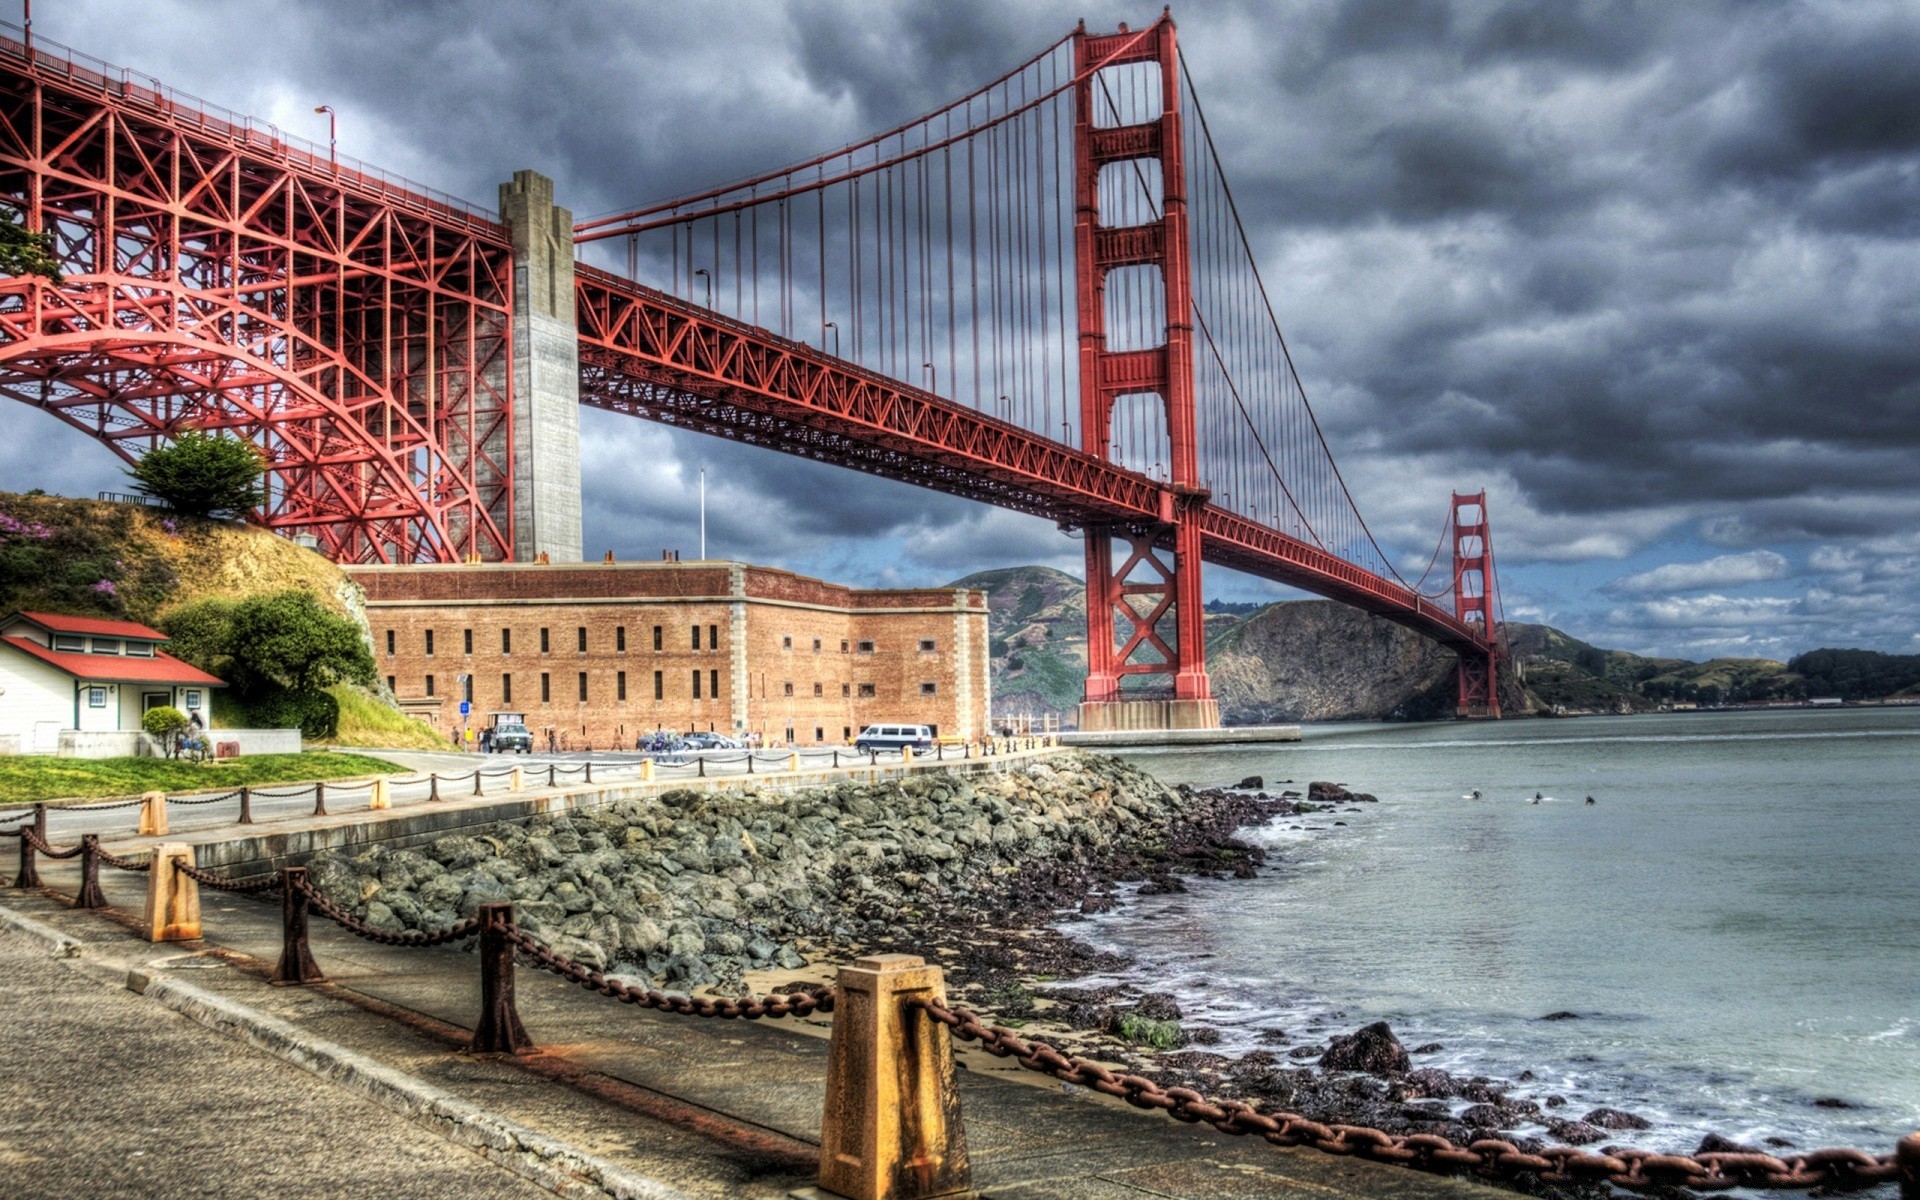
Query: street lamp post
702	273
836	336
933	378
333	135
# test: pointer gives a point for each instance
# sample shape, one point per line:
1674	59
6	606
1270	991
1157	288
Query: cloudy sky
1648	272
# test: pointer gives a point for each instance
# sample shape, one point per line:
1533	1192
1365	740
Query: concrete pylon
173	898
546	373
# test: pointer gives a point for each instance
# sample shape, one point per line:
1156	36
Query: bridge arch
136	360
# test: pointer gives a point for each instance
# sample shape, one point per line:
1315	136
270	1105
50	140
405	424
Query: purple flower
105	588
170	525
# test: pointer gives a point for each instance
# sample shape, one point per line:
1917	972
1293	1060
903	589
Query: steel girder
217	278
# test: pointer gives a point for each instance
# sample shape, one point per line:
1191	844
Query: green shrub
287	640
314	713
201	474
163	723
202	634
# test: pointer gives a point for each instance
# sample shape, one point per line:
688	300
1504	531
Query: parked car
894	737
659	742
710	741
512	737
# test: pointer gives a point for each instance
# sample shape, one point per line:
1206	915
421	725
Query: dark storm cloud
1647	269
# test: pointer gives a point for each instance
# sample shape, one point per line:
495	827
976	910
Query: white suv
894	737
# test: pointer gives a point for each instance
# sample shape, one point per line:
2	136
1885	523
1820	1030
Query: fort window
620	686
389	643
546	687
583	687
544	647
816	690
929	689
843	645
620	638
846	689
658	633
429	643
816	645
713	684
506	641
506	689
580	638
713	637
696	675
786	643
468	640
429	685
466	688
928	646
866	691
846	733
389	683
819	734
866	647
659	685
696	637
787	688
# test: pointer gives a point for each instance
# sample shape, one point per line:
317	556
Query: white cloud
1727	570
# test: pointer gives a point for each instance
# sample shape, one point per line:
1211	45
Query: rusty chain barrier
1635	1170
221	883
354	925
752	1008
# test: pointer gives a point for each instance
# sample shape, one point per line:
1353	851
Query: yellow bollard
382	796
793	762
173	899
518	783
906	755
153	814
646	770
891	1126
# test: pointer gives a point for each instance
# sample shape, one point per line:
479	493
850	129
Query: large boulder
1373	1049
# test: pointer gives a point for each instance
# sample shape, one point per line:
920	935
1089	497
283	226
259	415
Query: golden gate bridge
1040	296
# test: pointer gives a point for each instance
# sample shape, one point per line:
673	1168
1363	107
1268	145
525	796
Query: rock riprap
693	888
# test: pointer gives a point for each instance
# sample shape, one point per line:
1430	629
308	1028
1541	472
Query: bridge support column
546	373
1478	680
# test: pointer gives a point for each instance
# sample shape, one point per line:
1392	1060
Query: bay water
1735	920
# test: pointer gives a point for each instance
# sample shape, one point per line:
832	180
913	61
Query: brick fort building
600	654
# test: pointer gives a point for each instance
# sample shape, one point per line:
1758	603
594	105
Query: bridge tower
1129	608
1473	603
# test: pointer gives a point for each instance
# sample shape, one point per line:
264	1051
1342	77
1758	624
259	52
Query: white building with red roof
88	674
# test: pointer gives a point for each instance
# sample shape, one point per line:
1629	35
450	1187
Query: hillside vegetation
128	561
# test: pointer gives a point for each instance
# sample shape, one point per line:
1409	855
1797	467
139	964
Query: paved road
191	813
104	1094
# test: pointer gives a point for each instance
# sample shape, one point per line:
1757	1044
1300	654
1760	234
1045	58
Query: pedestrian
486	741
456	739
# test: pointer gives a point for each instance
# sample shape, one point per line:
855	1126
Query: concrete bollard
906	755
518	781
646	770
1906	1156
891	1127
382	796
793	762
153	814
173	899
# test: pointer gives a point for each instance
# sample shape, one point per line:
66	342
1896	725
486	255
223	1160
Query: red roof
96	626
114	668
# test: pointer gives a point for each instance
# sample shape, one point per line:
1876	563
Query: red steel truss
220	278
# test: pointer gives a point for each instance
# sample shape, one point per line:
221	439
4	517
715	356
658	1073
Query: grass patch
365	720
26	779
1145	1031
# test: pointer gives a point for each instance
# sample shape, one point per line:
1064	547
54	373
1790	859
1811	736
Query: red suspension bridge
1039	296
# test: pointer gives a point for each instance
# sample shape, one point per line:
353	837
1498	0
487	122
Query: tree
23	252
201	474
287	640
165	723
202	634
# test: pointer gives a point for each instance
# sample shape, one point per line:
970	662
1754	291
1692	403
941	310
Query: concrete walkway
710	1108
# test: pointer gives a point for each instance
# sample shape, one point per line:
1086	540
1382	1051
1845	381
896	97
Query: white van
893	737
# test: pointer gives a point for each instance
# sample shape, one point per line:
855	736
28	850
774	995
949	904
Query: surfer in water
1589	799
1537	797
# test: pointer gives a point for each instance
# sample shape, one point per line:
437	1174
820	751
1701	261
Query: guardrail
891	1124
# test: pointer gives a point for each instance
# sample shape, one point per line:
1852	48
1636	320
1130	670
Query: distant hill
1316	660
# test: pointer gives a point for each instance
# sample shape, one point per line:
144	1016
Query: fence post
296	957
153	814
90	896
40	819
246	805
320	799
499	1030
891	1126
382	796
553	777
1907	1157
433	785
749	762
589	777
518	781
173	899
478	789
28	874
836	759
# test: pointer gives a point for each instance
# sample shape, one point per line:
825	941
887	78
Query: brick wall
757	633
